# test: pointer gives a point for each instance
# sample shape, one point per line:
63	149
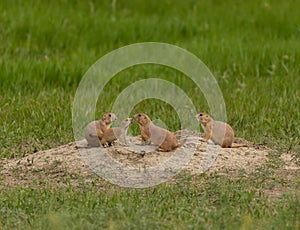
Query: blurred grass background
46	47
251	47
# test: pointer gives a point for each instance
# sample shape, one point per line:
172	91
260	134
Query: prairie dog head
203	118
126	123
142	119
109	118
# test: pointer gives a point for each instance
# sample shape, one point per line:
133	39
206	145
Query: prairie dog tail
239	146
181	143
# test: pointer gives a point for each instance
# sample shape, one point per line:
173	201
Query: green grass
216	202
252	48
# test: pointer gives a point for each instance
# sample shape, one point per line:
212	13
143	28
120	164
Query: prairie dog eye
200	114
109	115
140	115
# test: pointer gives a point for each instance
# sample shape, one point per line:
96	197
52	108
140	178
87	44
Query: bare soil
75	163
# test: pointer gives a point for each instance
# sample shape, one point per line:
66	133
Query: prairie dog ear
105	117
144	119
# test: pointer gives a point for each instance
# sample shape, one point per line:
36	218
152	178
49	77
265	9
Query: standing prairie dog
165	139
219	132
119	133
95	129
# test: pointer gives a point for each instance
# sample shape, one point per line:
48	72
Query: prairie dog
119	133
219	132
165	139
95	129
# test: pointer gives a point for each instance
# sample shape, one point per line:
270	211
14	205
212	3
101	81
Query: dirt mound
73	162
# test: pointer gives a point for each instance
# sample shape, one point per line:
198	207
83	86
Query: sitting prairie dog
165	139
219	132
119	133
95	129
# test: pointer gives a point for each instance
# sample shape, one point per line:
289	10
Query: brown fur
95	129
112	134
219	132
165	139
